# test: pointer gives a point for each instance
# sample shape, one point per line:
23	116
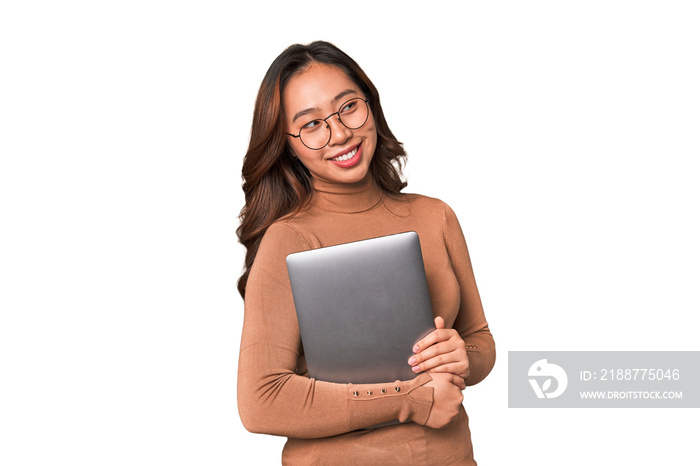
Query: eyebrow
314	109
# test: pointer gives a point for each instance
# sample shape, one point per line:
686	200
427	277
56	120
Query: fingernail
415	369
412	361
415	349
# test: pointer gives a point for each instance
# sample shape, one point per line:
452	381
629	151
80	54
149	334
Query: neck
346	197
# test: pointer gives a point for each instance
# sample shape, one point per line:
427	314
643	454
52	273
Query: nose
339	132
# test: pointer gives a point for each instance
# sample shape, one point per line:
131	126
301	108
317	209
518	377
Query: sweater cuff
403	400
480	364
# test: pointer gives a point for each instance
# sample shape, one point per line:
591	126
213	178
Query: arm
467	349
470	323
273	398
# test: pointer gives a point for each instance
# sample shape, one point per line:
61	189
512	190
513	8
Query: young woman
323	168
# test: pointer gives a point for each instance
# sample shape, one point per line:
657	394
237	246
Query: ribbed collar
346	197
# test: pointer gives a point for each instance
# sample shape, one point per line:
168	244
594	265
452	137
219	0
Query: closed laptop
361	307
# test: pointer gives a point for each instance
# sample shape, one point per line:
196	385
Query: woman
323	168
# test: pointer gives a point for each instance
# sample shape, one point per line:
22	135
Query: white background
564	135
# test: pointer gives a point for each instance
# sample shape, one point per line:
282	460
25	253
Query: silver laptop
361	307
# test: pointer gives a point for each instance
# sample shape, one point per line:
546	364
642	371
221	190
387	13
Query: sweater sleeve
274	397
470	322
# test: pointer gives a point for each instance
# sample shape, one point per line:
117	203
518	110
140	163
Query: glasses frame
340	119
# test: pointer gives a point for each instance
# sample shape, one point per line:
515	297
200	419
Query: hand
447	399
441	351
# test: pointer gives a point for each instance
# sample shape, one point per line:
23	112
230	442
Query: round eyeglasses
316	134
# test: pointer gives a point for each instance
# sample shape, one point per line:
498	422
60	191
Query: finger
448	368
439	322
432	338
446	362
459	382
454	379
451	367
437	346
432	351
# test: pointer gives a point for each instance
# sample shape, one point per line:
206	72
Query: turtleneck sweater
328	423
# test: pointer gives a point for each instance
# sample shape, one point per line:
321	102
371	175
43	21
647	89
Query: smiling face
313	94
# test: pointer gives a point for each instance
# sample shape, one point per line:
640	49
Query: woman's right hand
447	398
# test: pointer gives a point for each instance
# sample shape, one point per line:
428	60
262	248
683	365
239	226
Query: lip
350	162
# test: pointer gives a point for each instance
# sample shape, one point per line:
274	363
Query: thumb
439	322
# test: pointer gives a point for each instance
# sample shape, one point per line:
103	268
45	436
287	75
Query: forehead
316	86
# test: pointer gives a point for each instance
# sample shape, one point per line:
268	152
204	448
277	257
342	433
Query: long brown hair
275	184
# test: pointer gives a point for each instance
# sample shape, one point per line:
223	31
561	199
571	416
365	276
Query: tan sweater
327	423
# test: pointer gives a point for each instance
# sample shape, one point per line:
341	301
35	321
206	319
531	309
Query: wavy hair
274	182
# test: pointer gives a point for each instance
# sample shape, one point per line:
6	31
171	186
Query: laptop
361	307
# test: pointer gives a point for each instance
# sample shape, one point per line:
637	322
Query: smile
346	156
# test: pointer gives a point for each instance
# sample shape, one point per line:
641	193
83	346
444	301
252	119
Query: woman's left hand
443	350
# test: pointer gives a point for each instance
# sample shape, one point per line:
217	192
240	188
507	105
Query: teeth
348	156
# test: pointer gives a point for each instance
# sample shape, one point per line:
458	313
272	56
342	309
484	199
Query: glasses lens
315	134
354	113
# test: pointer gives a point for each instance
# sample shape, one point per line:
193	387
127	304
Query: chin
361	175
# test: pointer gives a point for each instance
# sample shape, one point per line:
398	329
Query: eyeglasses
316	134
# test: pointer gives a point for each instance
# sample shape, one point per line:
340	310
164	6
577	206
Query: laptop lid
361	307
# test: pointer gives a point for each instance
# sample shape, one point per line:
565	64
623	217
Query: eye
348	106
313	125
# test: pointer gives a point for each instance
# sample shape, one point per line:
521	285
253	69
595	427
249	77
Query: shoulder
279	240
426	206
283	235
435	215
270	263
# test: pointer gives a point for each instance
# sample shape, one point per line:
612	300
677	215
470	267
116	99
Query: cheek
309	158
370	125
306	159
372	138
370	131
299	150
